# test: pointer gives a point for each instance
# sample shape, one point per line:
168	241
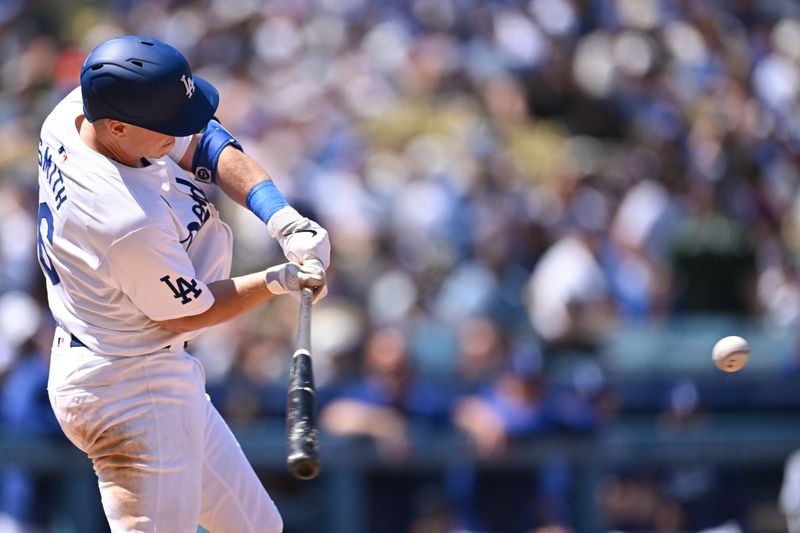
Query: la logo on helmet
188	84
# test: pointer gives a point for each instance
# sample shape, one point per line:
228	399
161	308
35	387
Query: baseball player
137	263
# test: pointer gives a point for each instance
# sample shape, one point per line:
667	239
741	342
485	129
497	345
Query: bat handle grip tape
304	324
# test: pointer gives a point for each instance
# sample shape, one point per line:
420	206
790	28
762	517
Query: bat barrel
302	432
301	424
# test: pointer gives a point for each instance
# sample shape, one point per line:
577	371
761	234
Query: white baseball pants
165	459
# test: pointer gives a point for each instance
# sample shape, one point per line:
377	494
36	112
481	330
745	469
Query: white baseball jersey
123	247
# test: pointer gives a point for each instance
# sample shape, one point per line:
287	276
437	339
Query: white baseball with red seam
730	354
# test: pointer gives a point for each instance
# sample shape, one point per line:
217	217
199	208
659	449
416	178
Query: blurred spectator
255	386
25	413
482	354
516	407
690	495
391	406
713	261
635	254
389	401
511	406
569	294
790	492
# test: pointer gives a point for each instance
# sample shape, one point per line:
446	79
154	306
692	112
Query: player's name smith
52	173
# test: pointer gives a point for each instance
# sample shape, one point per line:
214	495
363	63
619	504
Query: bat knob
304	467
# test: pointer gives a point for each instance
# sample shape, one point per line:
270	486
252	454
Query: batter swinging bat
301	422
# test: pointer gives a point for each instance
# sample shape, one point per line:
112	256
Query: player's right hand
291	278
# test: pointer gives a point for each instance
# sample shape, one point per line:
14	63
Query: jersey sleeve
152	269
179	150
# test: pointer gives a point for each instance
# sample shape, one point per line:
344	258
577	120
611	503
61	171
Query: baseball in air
730	354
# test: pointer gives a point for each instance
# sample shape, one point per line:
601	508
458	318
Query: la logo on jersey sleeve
183	290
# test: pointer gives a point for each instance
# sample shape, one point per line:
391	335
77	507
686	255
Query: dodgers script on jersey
122	247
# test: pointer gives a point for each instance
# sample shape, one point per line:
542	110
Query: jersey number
184	290
46	232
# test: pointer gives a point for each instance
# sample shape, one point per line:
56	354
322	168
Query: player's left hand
304	240
314	268
291	278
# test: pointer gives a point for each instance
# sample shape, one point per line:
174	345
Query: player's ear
115	127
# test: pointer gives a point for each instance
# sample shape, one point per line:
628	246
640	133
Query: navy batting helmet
147	83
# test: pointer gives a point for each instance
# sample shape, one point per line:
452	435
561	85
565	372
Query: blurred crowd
502	180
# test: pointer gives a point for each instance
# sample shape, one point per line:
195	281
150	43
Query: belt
75	342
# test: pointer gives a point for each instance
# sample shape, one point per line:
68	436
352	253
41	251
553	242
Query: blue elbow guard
206	155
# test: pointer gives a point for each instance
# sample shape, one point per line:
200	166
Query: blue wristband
209	147
264	199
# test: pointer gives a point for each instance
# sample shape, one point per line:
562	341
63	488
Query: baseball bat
301	422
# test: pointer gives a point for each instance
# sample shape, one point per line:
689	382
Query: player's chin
164	149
